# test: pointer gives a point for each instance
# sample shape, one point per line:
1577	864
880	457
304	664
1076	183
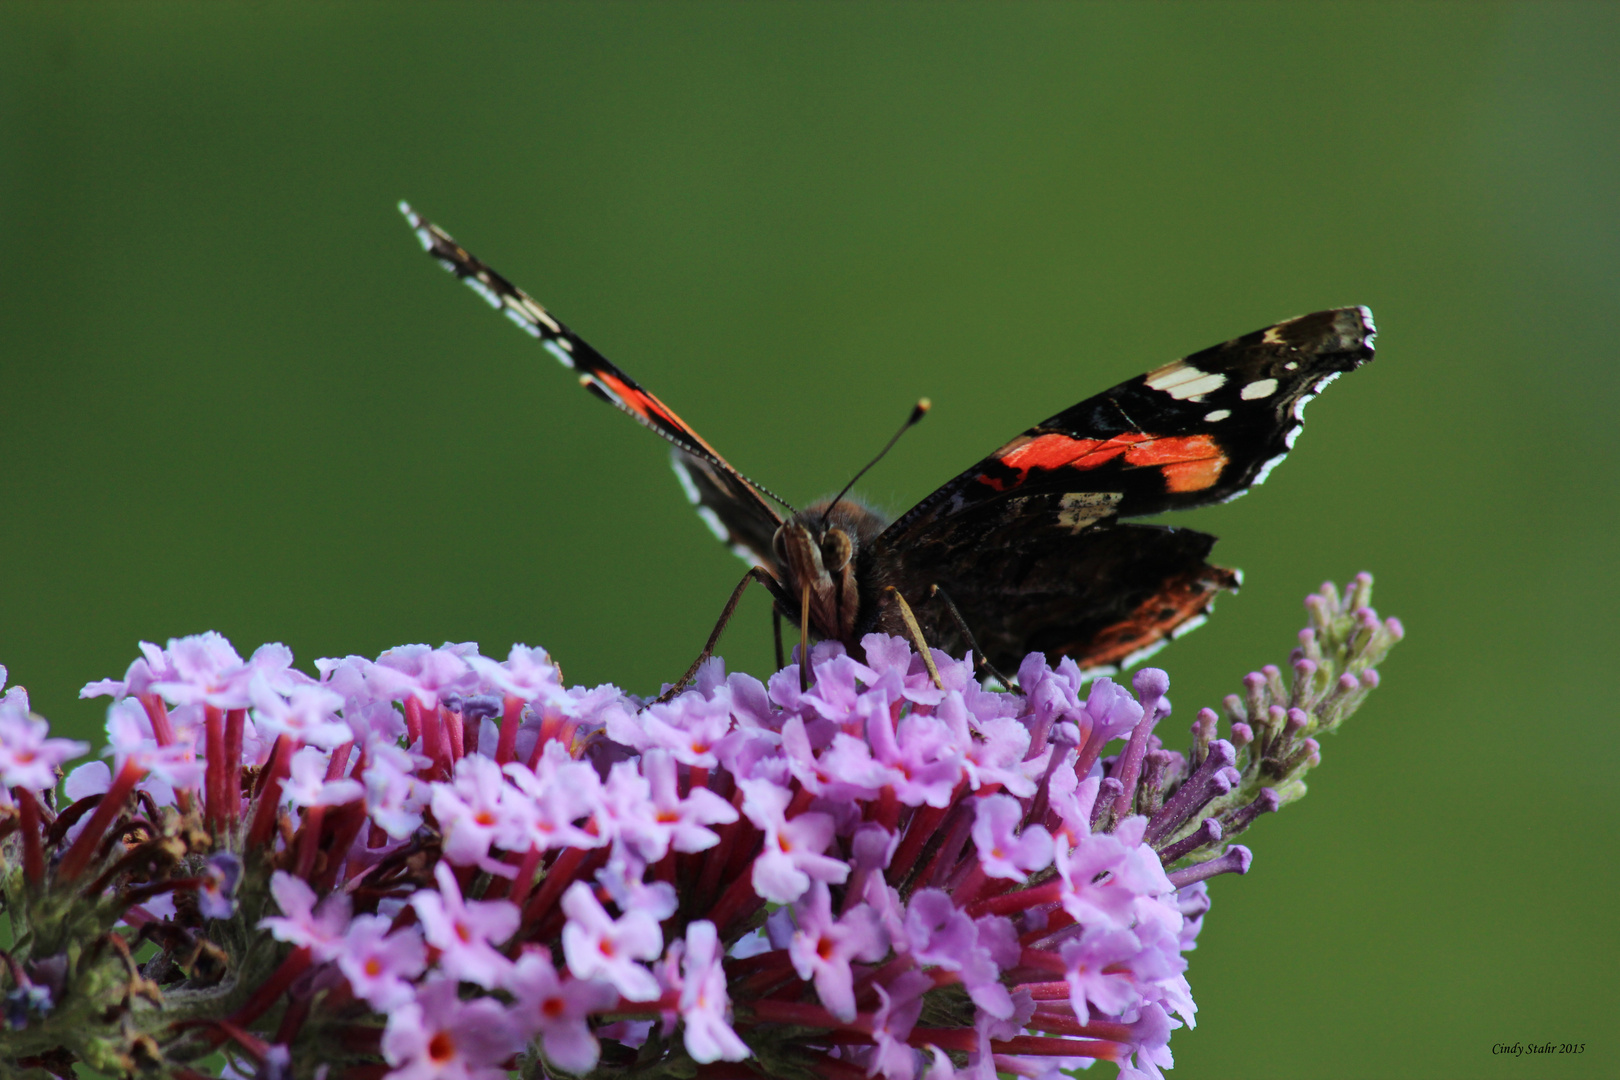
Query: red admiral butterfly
1027	550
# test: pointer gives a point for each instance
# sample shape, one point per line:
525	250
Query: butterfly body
1032	543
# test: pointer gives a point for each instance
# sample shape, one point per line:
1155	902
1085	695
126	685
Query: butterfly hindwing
1059	575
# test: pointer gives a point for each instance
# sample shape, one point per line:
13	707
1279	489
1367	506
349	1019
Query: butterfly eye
835	550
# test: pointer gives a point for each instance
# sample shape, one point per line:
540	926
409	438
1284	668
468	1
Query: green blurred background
235	395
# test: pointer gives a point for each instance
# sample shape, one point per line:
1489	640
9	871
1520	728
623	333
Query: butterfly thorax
831	553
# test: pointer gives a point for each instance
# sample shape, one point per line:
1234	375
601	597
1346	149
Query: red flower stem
716	858
1066	1024
511	720
945	857
888	809
527	863
670	1000
231	767
309	837
248	1041
264	816
771	1011
346	824
802	798
265	996
971	886
744	851
413	722
455	735
33	855
431	739
112	803
1022	900
1056	920
881	976
1041	960
699	778
558	877
769	975
142	893
163	731
292	1019
923	824
214	770
732	902
158	713
1044	1046
550	723
965	1040
1045	991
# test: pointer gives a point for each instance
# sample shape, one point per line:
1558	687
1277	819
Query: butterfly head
821	546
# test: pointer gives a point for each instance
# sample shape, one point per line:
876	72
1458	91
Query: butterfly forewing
1199	430
1028	542
725	499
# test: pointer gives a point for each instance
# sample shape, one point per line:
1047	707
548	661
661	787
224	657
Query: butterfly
1029	550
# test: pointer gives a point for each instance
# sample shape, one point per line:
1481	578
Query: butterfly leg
916	635
967	635
776	632
755	573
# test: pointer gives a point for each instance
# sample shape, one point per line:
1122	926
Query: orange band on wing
1189	463
648	407
1055	451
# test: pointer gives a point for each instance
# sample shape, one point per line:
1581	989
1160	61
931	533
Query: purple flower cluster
470	867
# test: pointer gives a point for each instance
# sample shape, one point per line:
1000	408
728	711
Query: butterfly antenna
763	490
918	411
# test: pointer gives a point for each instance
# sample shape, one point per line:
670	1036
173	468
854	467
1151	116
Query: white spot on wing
1217	415
538	314
485	291
551	347
1367	323
1190	625
1265	470
1182	381
1299	406
712	520
747	556
684	475
1291	366
1143	653
522	324
1260	388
